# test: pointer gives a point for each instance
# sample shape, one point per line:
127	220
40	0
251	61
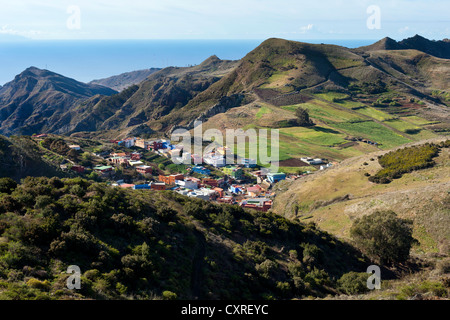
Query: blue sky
221	19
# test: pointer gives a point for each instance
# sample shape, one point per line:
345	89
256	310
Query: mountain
36	98
439	49
375	84
125	80
162	93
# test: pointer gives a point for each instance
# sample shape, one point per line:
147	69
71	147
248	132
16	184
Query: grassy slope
419	195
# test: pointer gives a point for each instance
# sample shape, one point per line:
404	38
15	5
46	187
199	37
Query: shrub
38	284
353	283
383	236
7	185
169	295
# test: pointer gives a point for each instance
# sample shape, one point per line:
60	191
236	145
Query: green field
374	113
324	112
417	120
374	131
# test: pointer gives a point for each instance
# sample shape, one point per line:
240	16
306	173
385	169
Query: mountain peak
211	60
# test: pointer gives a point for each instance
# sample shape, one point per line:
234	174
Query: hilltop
125	80
36	98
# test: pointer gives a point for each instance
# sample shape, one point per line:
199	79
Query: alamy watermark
374	20
74	20
374	281
74	281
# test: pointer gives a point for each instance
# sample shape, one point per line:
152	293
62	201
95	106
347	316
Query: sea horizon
88	60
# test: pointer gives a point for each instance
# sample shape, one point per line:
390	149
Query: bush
383	236
169	295
353	283
7	185
38	284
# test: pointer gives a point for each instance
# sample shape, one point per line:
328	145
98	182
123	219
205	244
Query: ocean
87	60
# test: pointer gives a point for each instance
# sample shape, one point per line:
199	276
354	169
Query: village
207	177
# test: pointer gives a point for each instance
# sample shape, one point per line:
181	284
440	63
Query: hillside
125	80
33	101
132	245
20	157
336	197
163	92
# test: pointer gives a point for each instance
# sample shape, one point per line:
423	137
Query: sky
223	19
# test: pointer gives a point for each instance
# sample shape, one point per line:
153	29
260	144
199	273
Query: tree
7	185
303	119
383	236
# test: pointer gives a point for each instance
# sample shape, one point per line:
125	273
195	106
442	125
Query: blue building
142	187
201	170
275	177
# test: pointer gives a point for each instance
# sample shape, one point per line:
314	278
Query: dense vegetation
145	245
384	237
398	162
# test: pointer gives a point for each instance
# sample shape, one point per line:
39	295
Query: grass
323	136
374	113
262	111
324	112
375	131
417	120
412	130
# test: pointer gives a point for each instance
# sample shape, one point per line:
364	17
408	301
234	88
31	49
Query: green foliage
383	236
146	245
7	185
303	119
396	163
353	283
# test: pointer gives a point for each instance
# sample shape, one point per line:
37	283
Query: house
248	163
205	194
210	182
135	163
142	187
214	160
119	160
326	166
201	170
141	143
260	175
260	204
76	168
158	186
236	189
275	177
127	143
187	183
311	161
144	169
234	172
75	147
155	145
254	191
128	186
103	169
171	180
135	156
219	191
228	199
